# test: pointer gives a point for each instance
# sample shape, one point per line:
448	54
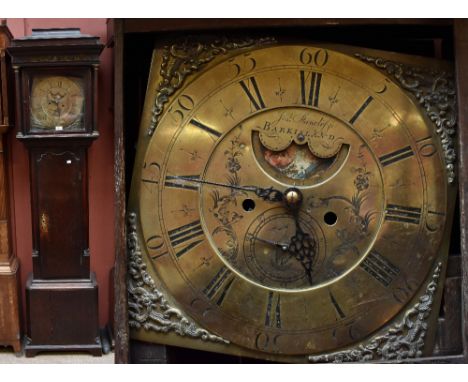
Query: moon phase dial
270	250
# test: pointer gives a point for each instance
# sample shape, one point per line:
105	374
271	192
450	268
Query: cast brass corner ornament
435	91
404	340
147	306
181	60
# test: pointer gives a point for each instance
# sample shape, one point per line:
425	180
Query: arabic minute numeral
426	148
155	245
318	58
267	342
248	65
152	173
183	105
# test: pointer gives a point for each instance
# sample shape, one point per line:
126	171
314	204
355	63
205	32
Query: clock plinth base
62	316
10	328
31	350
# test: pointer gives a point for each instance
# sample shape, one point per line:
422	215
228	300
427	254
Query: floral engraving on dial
148	307
359	221
435	91
224	201
403	340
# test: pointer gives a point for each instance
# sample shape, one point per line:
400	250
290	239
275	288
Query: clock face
57	103
292	199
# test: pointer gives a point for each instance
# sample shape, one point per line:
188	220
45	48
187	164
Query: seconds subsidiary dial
291	199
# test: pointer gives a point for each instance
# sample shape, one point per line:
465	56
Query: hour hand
269	194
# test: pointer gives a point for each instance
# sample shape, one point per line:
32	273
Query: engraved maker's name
302	125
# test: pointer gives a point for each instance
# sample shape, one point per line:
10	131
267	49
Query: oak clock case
289	202
56	81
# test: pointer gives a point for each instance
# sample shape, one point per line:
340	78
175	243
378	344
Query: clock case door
60	208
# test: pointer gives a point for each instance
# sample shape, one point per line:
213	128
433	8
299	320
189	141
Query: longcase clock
10	332
56	81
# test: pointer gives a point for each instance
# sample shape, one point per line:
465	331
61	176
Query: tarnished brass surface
56	102
275	271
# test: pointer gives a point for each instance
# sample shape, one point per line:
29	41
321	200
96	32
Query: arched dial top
292	199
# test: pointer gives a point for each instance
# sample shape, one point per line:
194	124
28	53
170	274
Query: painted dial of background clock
236	256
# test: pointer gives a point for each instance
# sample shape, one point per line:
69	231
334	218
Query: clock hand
302	245
269	194
283	246
304	248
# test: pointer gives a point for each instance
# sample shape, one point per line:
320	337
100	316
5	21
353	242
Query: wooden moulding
121	330
461	63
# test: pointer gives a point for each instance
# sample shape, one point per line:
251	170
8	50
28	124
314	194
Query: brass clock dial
57	102
291	199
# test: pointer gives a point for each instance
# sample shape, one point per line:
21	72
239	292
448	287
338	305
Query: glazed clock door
291	199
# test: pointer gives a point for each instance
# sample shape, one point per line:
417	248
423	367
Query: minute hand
269	194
